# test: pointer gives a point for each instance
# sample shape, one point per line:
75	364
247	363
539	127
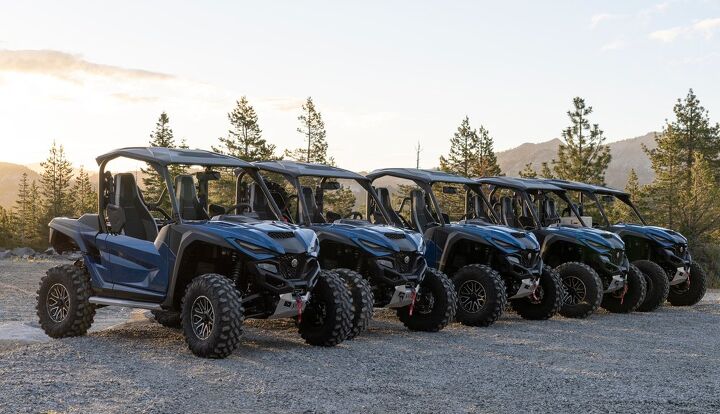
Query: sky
94	76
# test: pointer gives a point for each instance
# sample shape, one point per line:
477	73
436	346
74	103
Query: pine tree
24	225
464	151
546	171
85	196
55	184
312	128
153	184
528	171
619	212
7	228
340	201
582	156
244	139
36	214
487	164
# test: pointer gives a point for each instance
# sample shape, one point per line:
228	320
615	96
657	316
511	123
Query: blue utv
382	265
661	254
592	263
488	264
205	275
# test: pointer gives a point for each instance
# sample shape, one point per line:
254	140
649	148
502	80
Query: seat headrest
185	187
126	190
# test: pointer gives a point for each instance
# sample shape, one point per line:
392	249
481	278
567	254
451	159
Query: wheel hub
202	317
58	302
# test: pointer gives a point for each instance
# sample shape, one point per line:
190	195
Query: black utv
382	265
592	263
204	275
662	254
489	264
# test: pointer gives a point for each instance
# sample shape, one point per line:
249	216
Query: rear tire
615	302
434	307
691	292
168	319
62	302
212	316
481	295
362	300
658	285
583	290
327	318
550	294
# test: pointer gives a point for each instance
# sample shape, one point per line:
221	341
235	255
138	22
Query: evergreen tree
528	171
7	228
312	128
340	201
464	151
487	164
546	171
153	184
86	197
55	185
36	214
582	156
244	139
619	212
24	225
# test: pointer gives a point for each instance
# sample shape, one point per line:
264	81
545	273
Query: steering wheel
355	215
239	208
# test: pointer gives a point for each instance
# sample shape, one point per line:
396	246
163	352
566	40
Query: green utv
201	274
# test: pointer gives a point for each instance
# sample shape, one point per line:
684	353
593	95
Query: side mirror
330	185
216	210
449	190
116	215
208	175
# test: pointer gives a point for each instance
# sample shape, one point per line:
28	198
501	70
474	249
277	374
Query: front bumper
681	275
403	296
290	305
402	272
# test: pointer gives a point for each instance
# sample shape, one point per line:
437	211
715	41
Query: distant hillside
10	175
626	154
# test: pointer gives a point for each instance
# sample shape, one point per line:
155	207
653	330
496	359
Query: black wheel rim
58	302
203	317
425	303
472	296
575	290
317	313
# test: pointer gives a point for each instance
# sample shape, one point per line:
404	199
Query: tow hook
622	295
299	304
533	295
413	297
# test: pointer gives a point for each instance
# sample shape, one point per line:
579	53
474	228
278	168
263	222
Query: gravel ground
666	361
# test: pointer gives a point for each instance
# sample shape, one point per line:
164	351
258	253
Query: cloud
596	19
285	104
134	98
705	27
67	66
668	35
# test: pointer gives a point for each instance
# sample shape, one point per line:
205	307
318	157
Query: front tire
481	295
168	319
63	305
212	316
617	302
583	290
328	318
362	300
658	285
690	292
548	298
434	307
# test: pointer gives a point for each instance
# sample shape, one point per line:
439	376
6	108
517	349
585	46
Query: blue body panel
373	233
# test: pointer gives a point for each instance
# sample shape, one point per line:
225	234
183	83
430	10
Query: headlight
252	247
595	245
513	259
371	245
660	239
504	244
268	267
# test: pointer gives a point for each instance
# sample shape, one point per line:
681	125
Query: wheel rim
425	303
58	302
318	312
575	290
203	317
472	296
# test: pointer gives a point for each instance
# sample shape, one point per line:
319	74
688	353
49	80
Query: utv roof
168	156
590	188
426	176
519	183
304	169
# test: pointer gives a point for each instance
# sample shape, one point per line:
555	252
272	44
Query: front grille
617	257
281	234
404	262
395	236
286	268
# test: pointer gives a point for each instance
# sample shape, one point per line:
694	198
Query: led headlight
503	244
385	263
513	259
268	267
595	245
371	245
249	246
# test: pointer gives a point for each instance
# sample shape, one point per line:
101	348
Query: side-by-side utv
382	265
662	254
204	275
489	264
592	263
